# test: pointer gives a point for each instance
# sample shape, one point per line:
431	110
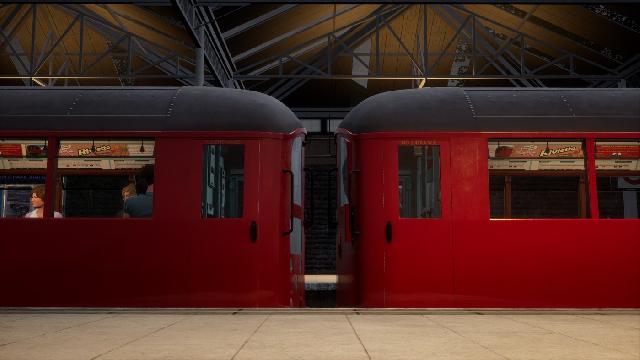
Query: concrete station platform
318	334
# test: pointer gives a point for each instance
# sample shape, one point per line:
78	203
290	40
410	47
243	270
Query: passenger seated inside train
37	202
141	205
127	192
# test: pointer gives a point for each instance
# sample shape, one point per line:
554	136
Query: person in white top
37	201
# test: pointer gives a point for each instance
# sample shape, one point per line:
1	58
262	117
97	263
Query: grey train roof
484	109
142	109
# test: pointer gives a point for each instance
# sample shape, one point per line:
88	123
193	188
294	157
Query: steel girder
211	40
343	39
493	51
123	49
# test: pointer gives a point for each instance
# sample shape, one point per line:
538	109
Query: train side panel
496	262
175	259
535	262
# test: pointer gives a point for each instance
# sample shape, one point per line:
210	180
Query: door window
223	191
419	181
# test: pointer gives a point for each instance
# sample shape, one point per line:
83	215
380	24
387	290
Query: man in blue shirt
141	205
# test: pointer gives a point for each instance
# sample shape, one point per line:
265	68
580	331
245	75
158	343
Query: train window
223	193
618	179
419	181
23	165
533	179
16	192
496	195
105	178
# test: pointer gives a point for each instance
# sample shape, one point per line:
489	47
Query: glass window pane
93	195
619	197
496	196
223	193
23	164
16	192
296	168
419	181
618	178
536	179
106	177
535	197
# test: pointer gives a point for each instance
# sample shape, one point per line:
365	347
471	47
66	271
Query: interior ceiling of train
319	54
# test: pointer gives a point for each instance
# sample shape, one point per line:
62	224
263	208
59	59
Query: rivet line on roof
566	102
75	102
173	99
473	111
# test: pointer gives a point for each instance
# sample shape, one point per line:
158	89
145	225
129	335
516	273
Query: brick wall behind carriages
320	206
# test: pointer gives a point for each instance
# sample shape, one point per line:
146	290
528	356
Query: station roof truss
290	50
97	44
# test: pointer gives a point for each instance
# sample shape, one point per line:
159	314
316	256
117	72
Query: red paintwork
176	258
466	260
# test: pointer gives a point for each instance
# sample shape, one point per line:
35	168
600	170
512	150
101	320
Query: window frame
45	172
131	172
612	172
425	144
585	210
203	146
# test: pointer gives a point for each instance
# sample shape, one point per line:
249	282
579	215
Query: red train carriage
225	224
490	198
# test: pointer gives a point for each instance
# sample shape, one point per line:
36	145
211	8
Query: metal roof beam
257	21
584	43
8	37
117	37
252	51
625	21
537	40
283	57
17	57
557	63
285	87
116	15
215	49
451	17
155	60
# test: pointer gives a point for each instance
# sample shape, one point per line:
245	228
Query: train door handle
389	232
253	231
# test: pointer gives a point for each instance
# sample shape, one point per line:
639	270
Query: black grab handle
292	184
389	232
253	231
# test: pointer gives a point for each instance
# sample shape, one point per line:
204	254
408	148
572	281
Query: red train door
230	206
214	189
418	248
